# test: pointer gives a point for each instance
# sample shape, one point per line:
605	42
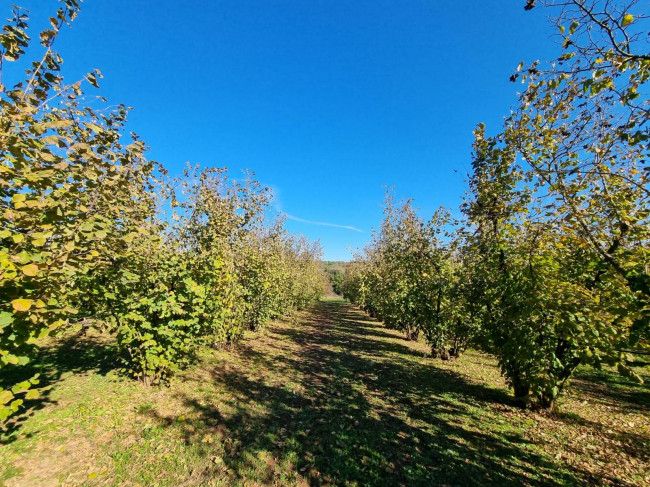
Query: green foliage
559	209
161	312
410	277
279	272
71	197
336	279
84	238
216	270
335	271
551	268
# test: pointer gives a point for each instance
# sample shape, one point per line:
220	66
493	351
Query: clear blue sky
327	101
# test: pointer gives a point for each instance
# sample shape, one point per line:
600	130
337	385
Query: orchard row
548	267
94	234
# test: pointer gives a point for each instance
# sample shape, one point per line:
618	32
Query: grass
328	397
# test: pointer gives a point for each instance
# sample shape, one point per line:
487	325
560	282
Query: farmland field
198	287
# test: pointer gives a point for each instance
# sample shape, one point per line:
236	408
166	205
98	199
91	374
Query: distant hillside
334	265
334	269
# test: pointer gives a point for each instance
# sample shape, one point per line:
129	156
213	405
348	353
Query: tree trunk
546	401
412	334
440	352
521	389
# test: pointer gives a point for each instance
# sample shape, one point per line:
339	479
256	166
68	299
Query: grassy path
329	397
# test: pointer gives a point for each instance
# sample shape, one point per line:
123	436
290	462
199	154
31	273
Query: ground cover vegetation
327	396
95	234
549	267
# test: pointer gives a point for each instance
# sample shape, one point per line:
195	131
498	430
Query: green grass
327	397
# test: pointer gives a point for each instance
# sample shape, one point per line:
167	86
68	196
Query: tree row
548	267
94	234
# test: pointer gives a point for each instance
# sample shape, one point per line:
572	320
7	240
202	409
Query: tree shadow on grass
364	413
75	353
612	389
632	444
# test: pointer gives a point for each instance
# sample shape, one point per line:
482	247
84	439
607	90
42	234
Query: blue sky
328	102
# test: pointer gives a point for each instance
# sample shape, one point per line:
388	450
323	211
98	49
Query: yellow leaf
38	242
18	237
32	203
57	324
50	139
32	394
6	396
40	304
30	270
627	20
22	304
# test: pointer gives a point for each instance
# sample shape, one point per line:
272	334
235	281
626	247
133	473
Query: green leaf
6	319
21	387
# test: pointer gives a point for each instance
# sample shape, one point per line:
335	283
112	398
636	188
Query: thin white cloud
324	224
